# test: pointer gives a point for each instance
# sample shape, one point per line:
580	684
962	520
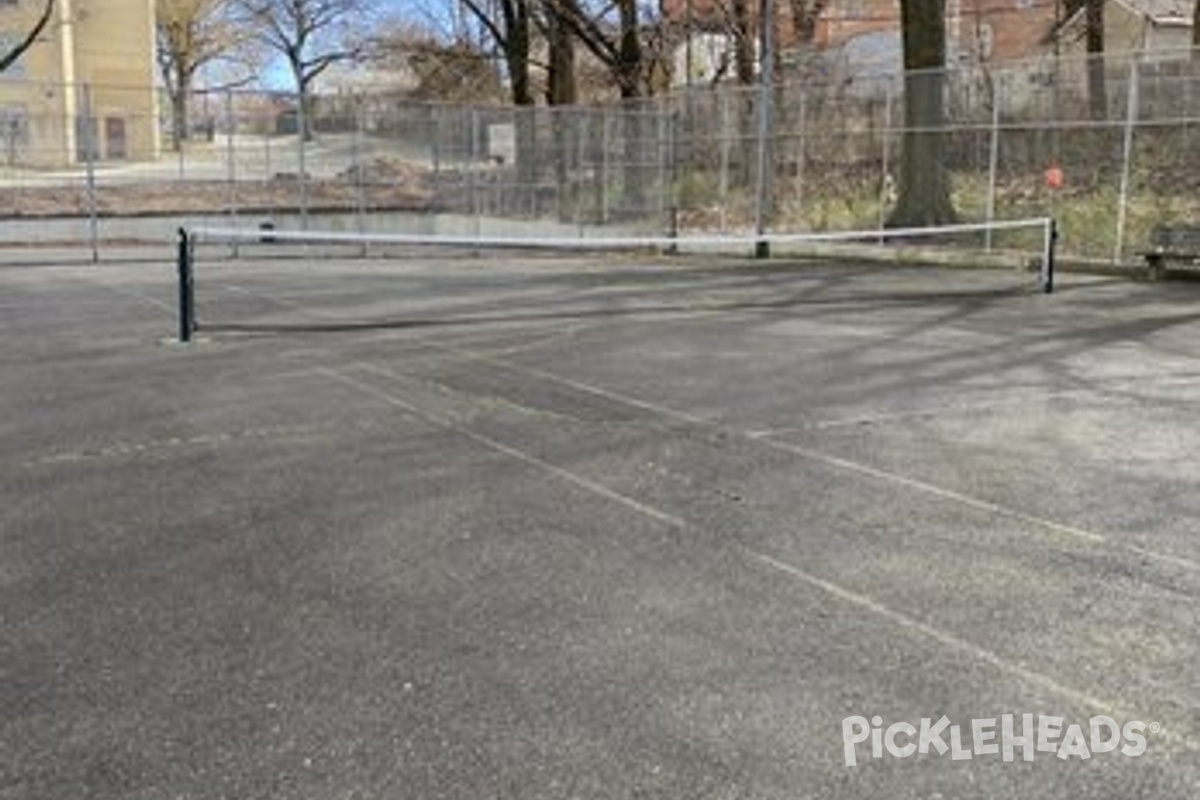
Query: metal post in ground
473	166
993	162
187	290
1131	115
301	156
672	173
885	178
582	131
359	169
562	170
762	210
724	144
434	131
1049	256
802	148
89	155
603	171
231	167
664	151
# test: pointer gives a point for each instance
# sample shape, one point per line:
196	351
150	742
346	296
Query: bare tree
9	58
620	34
924	185
458	70
311	35
1093	36
613	34
192	34
561	86
509	23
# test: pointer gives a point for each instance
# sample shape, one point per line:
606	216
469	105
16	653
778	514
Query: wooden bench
1171	244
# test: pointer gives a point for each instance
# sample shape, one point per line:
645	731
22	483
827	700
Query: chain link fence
1018	141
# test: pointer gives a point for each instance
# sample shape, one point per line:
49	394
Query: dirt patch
376	191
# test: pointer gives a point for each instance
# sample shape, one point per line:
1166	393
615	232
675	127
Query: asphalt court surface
497	527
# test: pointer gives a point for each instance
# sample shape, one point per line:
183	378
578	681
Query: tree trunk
562	87
743	43
516	56
179	106
924	181
629	79
516	53
179	120
306	102
1094	33
1196	31
304	109
561	94
629	63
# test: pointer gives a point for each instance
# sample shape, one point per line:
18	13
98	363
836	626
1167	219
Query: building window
14	133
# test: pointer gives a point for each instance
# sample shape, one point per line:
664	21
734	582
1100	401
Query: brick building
863	36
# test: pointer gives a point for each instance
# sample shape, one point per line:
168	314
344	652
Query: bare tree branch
509	23
7	60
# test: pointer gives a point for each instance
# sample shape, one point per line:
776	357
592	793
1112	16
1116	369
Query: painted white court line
979	503
172	310
847	596
494	444
952	642
807	453
133	449
983	407
833	461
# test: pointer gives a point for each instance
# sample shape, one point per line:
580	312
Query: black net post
187	290
672	230
1048	264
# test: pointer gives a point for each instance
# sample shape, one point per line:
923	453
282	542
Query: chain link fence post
885	166
302	123
472	167
231	161
1131	117
89	136
358	167
993	161
724	144
602	172
663	134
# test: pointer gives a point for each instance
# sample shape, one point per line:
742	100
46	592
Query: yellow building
94	61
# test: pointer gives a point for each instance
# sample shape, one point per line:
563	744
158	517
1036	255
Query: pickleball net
267	279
